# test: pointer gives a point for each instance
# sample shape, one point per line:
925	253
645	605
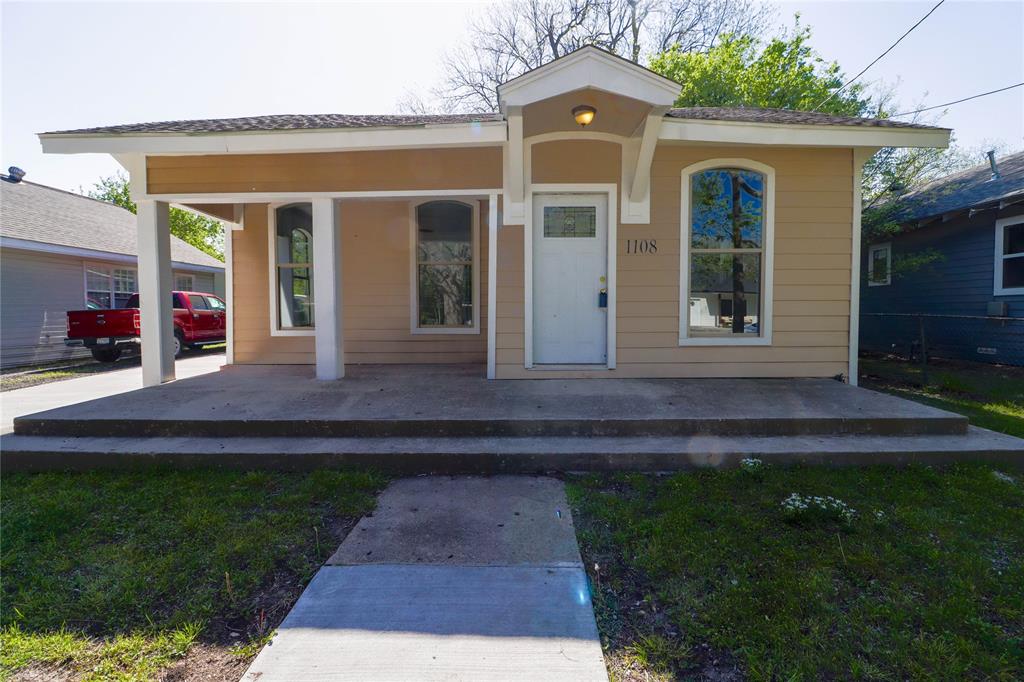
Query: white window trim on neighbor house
275	327
179	278
1000	257
886	248
767	257
414	299
110	268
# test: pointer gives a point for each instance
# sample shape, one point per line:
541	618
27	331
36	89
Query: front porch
450	419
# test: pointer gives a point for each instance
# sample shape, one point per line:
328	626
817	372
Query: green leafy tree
206	234
782	73
787	73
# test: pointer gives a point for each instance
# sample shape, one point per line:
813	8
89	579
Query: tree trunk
739	303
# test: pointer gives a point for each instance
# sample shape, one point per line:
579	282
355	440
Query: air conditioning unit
996	309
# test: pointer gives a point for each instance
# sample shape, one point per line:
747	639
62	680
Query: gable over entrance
539	103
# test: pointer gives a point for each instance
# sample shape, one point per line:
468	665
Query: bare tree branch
514	36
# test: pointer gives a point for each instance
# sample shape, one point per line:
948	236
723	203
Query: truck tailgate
84	324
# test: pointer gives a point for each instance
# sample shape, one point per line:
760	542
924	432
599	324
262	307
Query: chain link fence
918	336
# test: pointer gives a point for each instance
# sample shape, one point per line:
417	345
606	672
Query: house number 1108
641	246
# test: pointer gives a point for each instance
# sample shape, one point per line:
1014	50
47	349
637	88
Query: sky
82	64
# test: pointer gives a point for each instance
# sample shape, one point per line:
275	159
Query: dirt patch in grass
711	575
207	663
161	574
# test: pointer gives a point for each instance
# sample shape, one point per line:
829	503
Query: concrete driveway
34	399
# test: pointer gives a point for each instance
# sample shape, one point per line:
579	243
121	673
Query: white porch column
330	350
492	284
156	308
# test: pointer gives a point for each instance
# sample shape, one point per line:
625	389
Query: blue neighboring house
970	300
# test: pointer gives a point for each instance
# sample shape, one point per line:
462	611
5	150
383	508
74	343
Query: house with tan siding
587	229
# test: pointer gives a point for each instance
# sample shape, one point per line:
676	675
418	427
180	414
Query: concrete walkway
23	401
451	578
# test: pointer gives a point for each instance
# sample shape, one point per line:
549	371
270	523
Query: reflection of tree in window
726	242
444	264
294	264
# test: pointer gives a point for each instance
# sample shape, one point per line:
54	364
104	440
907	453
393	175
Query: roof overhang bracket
637	156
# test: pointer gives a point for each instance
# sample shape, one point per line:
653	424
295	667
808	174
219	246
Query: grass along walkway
124	575
709	575
991	396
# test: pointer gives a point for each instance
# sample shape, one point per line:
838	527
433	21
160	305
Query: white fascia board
589	68
92	254
781	134
280	142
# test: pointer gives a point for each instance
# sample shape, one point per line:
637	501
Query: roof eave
789	134
997	203
477	133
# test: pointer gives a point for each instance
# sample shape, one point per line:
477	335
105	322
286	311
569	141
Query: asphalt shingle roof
249	124
285	122
52	216
963	190
787	116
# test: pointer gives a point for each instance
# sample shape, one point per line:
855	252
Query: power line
965	99
827	99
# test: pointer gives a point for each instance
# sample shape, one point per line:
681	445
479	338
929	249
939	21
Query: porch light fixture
584	114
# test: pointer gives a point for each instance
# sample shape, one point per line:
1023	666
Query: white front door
570	269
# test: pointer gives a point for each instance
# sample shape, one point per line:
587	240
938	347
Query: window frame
274	294
414	298
1000	257
111	279
887	248
191	279
767	251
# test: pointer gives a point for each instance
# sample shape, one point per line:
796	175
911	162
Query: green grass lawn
119	575
991	396
706	575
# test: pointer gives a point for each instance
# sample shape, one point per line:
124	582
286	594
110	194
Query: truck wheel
179	343
106	354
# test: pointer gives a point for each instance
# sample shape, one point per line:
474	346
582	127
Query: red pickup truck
199	319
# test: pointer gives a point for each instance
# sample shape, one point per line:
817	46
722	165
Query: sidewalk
22	401
452	578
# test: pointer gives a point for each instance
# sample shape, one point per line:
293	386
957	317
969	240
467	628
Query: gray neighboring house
61	251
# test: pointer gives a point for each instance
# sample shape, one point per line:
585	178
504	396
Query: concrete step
931	422
502	455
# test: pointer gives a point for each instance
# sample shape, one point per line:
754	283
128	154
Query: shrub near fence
916	336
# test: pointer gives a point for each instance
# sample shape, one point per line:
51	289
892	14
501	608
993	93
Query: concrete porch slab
455	401
409	456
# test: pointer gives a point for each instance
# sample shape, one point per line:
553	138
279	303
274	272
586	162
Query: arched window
445	276
293	260
726	244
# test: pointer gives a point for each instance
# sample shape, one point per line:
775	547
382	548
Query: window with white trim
109	287
184	283
725	266
880	265
445	263
293	267
1009	265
